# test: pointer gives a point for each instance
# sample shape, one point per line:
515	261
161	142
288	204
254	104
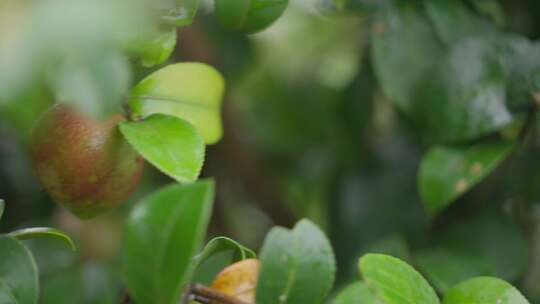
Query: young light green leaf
2	206
189	90
403	40
447	172
162	234
298	266
178	12
221	244
249	16
395	281
357	293
29	233
453	20
18	273
153	46
484	290
170	143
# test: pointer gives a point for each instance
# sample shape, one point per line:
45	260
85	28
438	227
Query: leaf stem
202	293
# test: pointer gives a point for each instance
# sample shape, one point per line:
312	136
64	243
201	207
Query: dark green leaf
28	233
394	245
395	281
521	59
221	244
298	266
170	143
189	90
484	290
249	15
162	234
357	293
18	273
483	237
403	40
453	21
447	172
491	9
465	97
444	267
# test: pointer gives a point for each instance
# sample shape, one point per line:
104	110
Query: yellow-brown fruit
85	165
239	280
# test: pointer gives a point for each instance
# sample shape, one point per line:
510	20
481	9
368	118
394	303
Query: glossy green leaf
154	46
357	293
191	91
298	266
18	273
484	290
177	12
162	234
2	207
34	232
465	96
444	267
447	172
453	20
403	40
249	15
395	281
170	143
221	244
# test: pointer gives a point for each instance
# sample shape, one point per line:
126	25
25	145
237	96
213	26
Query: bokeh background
308	133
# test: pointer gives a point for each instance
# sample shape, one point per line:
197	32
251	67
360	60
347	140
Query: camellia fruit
85	165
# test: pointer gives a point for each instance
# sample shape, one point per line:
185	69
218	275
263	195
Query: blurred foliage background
308	133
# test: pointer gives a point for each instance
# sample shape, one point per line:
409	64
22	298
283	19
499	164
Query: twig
202	293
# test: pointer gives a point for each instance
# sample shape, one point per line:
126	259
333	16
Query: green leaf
178	12
192	91
249	16
465	97
483	237
2	207
298	266
18	273
221	244
395	281
447	172
357	293
162	234
521	59
154	46
29	233
453	21
484	290
457	266
403	40
394	245
492	9
171	144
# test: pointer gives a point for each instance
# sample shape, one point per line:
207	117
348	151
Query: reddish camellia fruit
85	165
